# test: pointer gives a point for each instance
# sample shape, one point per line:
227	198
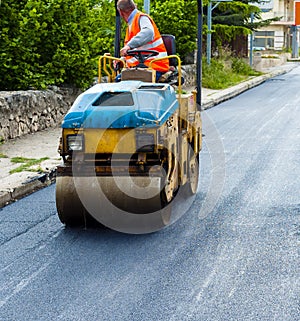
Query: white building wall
279	40
285	10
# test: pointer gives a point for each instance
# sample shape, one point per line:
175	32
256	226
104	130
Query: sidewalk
44	144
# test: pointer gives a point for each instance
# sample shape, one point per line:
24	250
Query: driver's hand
118	65
124	50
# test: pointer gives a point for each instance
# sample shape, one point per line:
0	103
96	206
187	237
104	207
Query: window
264	39
114	99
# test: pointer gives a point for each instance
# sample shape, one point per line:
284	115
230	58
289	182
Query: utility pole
147	6
294	30
118	31
295	48
209	22
199	55
251	42
210	9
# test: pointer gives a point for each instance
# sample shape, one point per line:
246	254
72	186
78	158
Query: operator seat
171	76
170	44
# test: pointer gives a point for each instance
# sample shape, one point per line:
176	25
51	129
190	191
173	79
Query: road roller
129	147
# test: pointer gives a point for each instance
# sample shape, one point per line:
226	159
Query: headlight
145	142
75	142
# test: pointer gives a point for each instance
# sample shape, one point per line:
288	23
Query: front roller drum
70	210
126	204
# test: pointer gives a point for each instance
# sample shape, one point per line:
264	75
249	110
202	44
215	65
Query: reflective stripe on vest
156	44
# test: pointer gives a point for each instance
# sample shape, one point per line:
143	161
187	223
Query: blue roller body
127	104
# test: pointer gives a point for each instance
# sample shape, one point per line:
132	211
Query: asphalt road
233	256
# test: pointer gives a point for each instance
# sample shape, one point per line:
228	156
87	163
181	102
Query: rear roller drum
193	172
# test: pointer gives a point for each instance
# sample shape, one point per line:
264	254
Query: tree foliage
52	42
232	19
59	41
179	18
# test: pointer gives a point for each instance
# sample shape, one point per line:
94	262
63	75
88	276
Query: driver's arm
145	35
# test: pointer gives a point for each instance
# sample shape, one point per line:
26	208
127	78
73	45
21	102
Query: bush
217	75
52	42
239	66
221	74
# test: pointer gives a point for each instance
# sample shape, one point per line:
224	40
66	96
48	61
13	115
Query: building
279	34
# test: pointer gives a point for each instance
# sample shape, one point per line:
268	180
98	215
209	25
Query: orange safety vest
156	44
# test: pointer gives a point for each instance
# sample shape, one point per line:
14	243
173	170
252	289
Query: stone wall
189	74
264	61
25	112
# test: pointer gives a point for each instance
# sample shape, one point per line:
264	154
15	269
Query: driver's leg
158	75
118	78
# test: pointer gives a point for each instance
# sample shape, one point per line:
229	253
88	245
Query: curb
46	179
234	91
28	187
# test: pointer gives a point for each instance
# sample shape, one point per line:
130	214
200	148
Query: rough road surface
232	256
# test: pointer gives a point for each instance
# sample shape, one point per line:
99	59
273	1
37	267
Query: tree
232	24
179	18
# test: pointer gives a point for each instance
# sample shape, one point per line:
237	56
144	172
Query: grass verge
27	163
224	73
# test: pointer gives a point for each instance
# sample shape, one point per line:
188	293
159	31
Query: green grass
221	75
27	163
3	155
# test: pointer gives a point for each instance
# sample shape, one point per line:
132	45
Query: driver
142	33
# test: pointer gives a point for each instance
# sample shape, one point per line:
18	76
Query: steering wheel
141	55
